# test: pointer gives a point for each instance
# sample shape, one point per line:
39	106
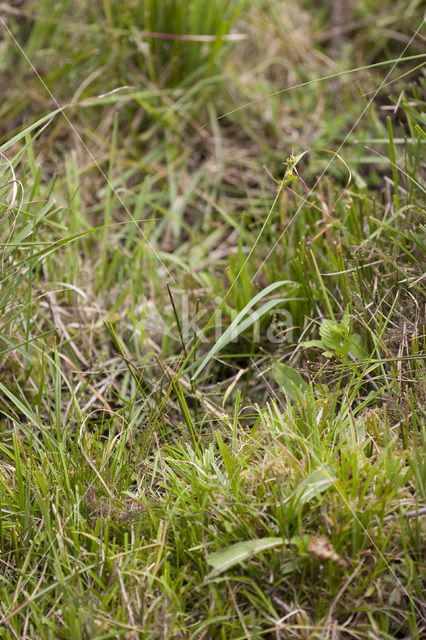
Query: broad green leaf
313	343
290	380
313	485
238	325
332	334
356	348
236	554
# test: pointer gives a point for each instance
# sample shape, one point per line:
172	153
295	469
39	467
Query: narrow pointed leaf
236	554
234	329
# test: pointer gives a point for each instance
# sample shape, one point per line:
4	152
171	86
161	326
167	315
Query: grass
212	382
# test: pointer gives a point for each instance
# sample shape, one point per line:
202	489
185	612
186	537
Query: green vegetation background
212	322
